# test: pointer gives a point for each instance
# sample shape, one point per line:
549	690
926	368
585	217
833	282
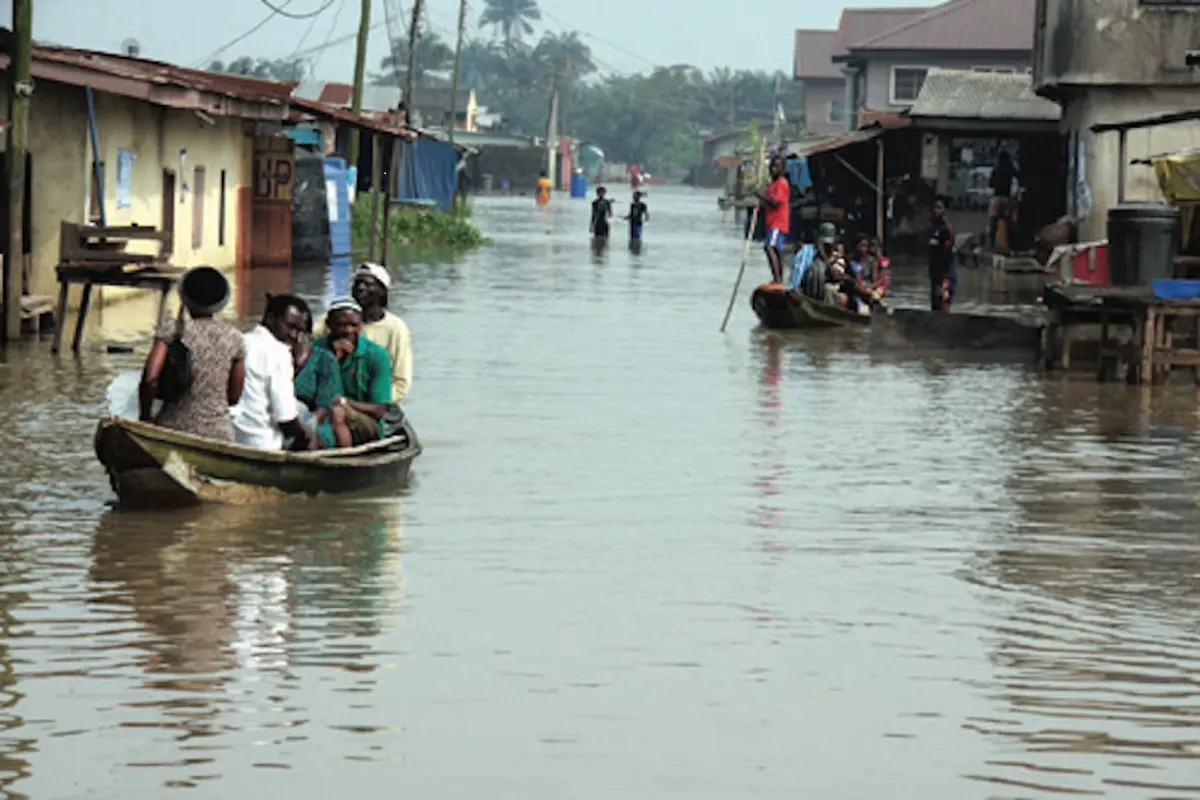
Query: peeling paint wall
1114	42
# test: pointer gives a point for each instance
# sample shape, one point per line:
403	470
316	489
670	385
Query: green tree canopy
511	19
433	54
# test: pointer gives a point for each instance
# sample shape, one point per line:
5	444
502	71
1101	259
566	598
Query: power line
320	49
306	15
274	13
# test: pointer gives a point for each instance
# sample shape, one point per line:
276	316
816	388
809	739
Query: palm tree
578	54
512	19
432	54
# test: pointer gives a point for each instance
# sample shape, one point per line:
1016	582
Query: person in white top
267	411
371	285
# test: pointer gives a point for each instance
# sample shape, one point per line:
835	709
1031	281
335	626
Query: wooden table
1154	351
161	278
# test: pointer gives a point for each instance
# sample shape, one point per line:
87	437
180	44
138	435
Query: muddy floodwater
639	559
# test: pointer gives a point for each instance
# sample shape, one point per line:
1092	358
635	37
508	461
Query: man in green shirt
366	373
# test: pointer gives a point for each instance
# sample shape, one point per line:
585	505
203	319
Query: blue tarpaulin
427	172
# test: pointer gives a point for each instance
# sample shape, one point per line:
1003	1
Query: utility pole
552	120
360	64
20	87
411	78
462	25
775	109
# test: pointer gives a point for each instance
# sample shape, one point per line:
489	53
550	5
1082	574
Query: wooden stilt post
879	198
376	177
387	197
20	87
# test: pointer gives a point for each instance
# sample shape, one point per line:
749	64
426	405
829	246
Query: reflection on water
643	559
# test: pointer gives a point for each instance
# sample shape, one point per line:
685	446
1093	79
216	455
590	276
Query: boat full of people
827	286
287	407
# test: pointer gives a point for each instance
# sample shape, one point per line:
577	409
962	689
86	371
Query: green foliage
511	19
416	228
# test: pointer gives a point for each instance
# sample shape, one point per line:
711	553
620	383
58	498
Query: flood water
640	559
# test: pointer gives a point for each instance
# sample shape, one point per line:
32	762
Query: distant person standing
637	217
777	211
543	189
1004	176
943	272
601	214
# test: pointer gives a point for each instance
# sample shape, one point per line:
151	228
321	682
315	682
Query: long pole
411	78
387	199
879	197
737	284
458	44
360	65
552	120
376	179
20	88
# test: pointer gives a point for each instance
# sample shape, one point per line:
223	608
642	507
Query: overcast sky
625	35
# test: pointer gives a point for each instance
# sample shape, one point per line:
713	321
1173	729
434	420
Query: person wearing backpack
197	364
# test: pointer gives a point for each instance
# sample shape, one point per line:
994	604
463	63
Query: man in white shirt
371	285
268	410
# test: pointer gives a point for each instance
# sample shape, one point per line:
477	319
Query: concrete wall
818	94
879	72
1083	109
62	179
1106	42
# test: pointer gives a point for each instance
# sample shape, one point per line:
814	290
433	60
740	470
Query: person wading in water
943	277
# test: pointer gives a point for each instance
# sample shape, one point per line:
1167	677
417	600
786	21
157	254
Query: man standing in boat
777	210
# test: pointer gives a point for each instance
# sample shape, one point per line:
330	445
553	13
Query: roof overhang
957	125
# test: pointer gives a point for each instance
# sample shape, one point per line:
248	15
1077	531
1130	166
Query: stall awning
1179	176
833	143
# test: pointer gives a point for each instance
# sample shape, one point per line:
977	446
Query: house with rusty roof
127	141
885	54
432	103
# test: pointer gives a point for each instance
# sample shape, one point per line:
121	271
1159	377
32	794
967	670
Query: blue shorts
775	239
635	231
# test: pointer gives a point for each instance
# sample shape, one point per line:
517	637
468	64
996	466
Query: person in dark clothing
943	269
1000	206
637	217
601	213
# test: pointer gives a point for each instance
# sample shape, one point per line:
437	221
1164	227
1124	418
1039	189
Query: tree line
653	117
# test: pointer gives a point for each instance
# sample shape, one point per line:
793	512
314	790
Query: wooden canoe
155	467
779	308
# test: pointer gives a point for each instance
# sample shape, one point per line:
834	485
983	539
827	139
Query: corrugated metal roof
336	94
304	106
859	24
985	25
966	94
156	72
813	57
833	143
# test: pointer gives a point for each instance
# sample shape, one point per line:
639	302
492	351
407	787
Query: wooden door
271	225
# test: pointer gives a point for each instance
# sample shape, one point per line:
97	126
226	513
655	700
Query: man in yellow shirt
543	189
380	326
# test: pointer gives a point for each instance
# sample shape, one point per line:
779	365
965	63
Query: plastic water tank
579	185
1143	239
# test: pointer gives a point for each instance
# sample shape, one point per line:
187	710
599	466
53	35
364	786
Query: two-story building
1113	61
884	68
821	82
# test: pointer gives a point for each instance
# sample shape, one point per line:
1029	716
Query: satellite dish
131	47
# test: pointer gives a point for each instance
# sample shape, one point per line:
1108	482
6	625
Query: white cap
375	271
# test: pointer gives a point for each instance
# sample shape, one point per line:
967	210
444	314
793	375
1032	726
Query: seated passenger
863	269
318	381
201	407
817	275
366	372
267	410
883	270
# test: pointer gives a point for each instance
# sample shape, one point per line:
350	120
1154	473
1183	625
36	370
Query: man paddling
775	200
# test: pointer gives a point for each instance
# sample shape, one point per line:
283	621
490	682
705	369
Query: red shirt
779	217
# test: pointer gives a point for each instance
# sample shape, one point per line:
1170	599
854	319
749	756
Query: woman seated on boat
864	269
357	415
318	383
215	360
883	271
